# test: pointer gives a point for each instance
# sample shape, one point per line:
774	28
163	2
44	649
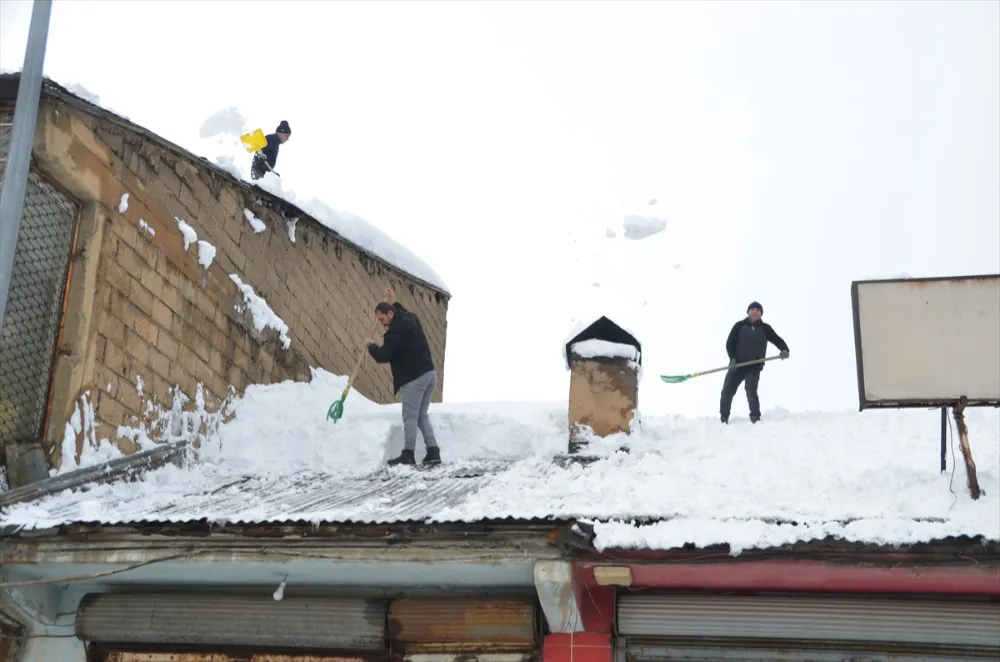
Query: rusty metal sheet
462	624
222	619
472	657
314	496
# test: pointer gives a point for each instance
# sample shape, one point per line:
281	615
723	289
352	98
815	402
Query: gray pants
416	400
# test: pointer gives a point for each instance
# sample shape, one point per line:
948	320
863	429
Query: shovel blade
336	410
675	379
254	141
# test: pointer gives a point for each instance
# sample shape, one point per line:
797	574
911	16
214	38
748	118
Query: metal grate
34	303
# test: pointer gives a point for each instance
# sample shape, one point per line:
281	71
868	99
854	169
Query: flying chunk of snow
652	202
594	348
257	224
227	121
610	234
262	314
145	226
123	205
190	236
206	253
138	384
641	227
291	229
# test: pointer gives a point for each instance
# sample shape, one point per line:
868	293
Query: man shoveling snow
267	157
404	348
747	341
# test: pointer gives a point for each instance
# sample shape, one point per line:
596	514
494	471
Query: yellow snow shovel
254	141
337	408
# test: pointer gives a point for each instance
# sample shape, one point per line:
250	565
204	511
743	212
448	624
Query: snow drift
869	477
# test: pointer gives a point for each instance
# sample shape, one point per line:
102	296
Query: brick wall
140	306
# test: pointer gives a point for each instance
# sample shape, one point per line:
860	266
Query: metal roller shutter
232	620
925	628
222	657
464	625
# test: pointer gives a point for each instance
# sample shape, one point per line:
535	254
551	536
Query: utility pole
15	179
25	462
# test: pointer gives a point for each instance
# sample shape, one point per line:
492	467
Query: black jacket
748	342
270	151
404	348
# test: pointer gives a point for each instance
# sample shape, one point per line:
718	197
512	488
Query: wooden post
963	437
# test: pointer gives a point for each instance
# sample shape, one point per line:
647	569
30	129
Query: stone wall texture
139	306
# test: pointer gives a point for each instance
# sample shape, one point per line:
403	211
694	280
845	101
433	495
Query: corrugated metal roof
384	497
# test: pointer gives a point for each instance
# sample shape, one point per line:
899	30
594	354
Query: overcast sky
792	147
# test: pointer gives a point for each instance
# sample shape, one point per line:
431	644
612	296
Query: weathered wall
140	306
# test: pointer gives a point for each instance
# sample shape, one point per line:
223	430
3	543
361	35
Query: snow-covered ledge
605	363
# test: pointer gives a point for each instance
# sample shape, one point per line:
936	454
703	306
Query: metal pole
15	178
944	437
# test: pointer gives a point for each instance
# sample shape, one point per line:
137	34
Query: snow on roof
867	477
356	230
230	156
589	349
606	327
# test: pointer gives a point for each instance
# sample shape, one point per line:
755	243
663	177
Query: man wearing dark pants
404	348
747	341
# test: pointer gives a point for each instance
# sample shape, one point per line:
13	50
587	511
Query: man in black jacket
747	341
267	157
404	348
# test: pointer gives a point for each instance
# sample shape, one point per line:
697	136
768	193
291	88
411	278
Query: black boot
433	456
406	457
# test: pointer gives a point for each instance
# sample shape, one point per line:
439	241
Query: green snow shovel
677	379
336	410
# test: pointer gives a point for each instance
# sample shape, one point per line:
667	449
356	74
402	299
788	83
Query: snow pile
282	429
190	236
145	226
257	224
641	227
867	477
856	476
83	425
206	253
794	477
262	314
591	349
227	121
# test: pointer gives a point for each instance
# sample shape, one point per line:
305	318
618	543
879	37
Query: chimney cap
600	329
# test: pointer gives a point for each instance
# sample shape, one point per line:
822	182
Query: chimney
604	362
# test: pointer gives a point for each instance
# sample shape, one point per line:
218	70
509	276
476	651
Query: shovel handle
738	365
357	364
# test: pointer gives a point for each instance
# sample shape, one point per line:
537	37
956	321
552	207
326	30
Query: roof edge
55	90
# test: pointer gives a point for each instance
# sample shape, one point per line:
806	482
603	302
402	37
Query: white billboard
926	342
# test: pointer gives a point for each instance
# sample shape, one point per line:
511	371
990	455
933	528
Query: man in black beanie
747	341
267	157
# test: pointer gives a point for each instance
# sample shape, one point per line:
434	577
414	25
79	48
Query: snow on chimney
604	362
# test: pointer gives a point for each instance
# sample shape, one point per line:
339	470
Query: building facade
138	278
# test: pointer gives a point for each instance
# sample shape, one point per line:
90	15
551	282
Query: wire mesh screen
34	303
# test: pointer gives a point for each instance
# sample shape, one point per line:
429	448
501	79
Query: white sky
793	148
